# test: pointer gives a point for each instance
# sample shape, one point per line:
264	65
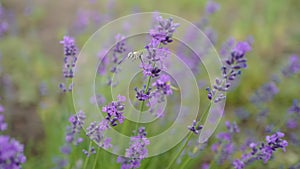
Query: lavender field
199	84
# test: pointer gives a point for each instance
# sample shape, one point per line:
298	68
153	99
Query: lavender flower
11	153
114	111
163	85
195	128
3	23
265	93
136	152
225	144
262	151
95	132
295	108
293	66
234	64
70	52
211	7
142	94
3	125
77	122
163	31
118	50
150	70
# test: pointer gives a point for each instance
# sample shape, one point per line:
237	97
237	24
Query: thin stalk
188	138
87	157
180	151
95	160
185	163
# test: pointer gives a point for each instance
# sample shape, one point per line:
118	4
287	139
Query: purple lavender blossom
77	122
194	128
95	131
225	143
262	151
136	152
11	153
227	46
3	23
150	70
265	93
234	64
163	85
119	49
295	108
3	125
292	124
163	31
98	99
211	7
70	52
142	94
114	111
293	66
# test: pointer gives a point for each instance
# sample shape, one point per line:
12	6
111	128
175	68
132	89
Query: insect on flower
136	55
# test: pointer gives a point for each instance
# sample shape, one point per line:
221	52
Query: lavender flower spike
232	69
164	30
262	151
70	52
136	152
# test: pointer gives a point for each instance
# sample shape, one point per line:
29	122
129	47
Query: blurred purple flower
265	93
292	124
211	7
11	153
227	46
293	66
3	125
295	108
136	152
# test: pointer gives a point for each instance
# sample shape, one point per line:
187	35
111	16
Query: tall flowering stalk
70	52
234	64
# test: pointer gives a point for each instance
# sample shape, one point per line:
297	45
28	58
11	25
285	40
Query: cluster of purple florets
262	151
114	111
11	150
136	152
234	64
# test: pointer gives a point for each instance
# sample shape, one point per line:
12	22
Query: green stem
87	157
95	160
185	163
213	164
189	136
